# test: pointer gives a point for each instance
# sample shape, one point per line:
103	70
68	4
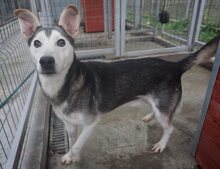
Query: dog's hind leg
167	130
164	104
164	111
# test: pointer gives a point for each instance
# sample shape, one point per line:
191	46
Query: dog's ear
70	20
28	22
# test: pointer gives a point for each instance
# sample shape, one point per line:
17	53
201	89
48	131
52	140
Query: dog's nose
47	62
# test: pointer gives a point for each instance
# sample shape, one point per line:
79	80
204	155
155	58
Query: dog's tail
203	55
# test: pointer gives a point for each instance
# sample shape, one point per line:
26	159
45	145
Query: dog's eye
61	43
37	44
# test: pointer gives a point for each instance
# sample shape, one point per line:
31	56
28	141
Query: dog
80	92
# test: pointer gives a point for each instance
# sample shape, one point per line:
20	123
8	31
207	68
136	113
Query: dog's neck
56	87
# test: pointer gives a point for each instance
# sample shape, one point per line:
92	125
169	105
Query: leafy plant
207	32
180	27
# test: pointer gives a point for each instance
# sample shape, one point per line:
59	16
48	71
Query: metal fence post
201	12
13	158
117	27
137	10
46	13
191	35
109	18
34	7
105	15
156	17
123	17
187	9
205	106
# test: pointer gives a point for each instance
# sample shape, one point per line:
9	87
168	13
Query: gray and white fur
80	91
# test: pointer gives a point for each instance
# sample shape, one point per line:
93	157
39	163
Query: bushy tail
203	55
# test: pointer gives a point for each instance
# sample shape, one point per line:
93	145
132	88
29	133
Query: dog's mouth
48	71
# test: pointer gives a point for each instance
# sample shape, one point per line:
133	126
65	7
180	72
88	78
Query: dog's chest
74	118
51	85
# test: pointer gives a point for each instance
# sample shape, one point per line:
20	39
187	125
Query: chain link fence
16	72
142	22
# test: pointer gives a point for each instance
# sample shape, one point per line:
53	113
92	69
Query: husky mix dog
80	91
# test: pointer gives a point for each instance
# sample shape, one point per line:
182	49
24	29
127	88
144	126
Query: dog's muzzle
47	64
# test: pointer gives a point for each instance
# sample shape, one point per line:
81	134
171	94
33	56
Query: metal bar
191	35
200	43
12	117
201	12
48	10
2	147
137	10
36	144
117	27
34	7
156	51
109	18
46	13
94	52
15	90
174	37
3	128
9	126
205	106
187	9
122	28
105	15
43	18
13	157
156	17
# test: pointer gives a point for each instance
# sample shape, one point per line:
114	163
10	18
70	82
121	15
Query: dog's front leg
72	133
73	154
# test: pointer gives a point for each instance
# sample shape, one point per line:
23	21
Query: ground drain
58	136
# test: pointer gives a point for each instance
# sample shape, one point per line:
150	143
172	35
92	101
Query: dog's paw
158	147
70	158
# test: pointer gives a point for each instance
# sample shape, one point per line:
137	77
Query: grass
207	32
179	27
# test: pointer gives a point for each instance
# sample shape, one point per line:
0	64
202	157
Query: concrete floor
123	141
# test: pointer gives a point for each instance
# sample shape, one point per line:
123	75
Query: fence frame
119	24
13	158
205	106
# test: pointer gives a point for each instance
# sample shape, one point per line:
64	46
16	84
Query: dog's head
52	48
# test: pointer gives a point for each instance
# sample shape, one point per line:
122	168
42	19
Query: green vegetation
179	27
207	32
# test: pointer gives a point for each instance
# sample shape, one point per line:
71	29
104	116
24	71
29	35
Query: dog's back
123	81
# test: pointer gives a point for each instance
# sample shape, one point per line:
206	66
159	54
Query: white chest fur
74	118
51	84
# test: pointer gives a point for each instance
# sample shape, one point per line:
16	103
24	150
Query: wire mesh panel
210	25
145	28
139	24
94	32
177	29
16	72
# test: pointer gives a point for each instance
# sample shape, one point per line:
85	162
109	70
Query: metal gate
142	32
127	27
97	23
